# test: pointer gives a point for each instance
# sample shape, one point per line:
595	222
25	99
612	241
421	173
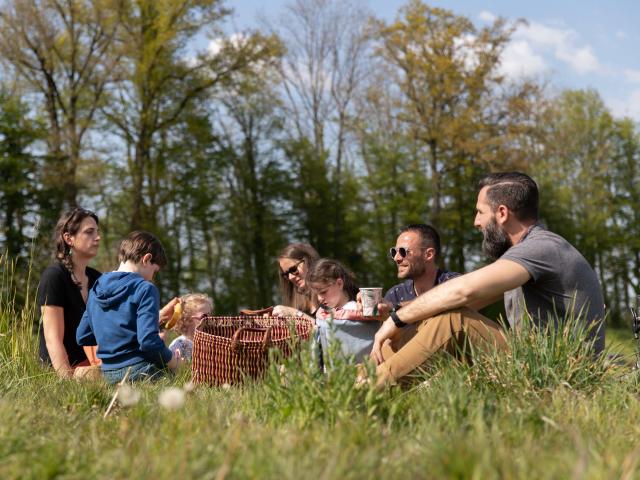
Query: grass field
621	340
544	411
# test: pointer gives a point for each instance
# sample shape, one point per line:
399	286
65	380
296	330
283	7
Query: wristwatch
394	316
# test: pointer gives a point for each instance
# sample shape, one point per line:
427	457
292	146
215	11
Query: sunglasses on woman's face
403	251
293	270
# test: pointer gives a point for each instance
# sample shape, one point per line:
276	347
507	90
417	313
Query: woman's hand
282	311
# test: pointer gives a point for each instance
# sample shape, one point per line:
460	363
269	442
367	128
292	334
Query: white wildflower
172	398
424	385
226	386
127	395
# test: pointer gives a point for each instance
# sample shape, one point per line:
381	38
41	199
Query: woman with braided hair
63	290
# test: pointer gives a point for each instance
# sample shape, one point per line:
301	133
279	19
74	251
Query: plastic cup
371	297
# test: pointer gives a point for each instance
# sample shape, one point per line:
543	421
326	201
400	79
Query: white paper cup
371	297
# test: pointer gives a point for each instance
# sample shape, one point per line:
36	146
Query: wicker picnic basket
230	349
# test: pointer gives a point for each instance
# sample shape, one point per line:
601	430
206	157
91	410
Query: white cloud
464	51
627	107
213	48
519	60
632	75
582	60
621	35
542	35
216	45
564	45
488	17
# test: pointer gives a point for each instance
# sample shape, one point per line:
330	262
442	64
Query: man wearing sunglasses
538	273
416	256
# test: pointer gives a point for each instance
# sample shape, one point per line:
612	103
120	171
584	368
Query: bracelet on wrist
399	323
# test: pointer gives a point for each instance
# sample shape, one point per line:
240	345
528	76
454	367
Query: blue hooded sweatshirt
122	318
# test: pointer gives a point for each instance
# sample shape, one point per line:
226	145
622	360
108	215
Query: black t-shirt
57	289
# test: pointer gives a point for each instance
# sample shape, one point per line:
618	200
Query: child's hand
91	353
166	312
176	361
359	303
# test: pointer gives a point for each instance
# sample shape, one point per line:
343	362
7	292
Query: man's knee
463	325
458	317
451	319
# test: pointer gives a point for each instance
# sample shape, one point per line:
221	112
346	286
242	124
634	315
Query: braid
69	223
67	261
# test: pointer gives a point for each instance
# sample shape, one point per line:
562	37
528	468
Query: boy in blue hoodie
123	312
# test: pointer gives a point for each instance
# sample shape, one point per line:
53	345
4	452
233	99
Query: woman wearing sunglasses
63	290
294	262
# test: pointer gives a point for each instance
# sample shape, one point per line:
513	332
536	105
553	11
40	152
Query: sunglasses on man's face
293	270
402	251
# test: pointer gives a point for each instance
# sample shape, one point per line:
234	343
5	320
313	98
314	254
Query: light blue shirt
355	338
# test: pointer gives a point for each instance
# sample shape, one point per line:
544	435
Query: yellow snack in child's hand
177	313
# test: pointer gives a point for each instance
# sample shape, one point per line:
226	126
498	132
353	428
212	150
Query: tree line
325	125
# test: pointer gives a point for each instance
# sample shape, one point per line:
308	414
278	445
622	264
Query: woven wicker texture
230	349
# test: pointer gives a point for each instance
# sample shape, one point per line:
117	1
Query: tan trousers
457	332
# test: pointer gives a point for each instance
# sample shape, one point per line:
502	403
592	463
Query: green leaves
331	128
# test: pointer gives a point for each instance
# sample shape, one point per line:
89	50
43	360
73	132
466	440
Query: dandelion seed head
128	396
172	398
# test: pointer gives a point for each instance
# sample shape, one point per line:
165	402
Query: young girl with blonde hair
194	307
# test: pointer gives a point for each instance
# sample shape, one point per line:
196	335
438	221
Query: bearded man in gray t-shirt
562	283
534	269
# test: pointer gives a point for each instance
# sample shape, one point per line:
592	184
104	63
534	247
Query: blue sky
569	43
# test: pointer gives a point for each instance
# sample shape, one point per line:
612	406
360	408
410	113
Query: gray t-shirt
562	281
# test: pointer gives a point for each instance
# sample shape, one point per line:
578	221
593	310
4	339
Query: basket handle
262	311
266	339
198	319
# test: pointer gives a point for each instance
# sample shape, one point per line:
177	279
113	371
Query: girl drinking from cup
337	318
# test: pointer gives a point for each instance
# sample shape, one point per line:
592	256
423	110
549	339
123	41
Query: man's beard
495	241
413	271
